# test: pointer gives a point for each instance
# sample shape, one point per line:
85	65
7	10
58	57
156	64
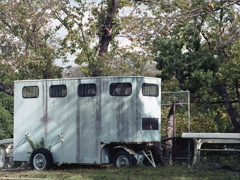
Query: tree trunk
169	131
6	89
157	154
228	105
237	87
107	28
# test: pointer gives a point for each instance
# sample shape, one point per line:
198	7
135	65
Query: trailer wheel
124	159
41	159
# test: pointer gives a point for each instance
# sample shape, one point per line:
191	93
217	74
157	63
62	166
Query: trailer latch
27	135
61	136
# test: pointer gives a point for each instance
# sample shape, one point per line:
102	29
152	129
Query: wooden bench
211	138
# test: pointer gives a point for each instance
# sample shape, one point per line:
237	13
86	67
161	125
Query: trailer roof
99	77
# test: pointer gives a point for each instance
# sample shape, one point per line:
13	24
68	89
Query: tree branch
6	89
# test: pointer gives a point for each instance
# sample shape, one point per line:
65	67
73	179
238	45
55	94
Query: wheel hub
122	161
39	161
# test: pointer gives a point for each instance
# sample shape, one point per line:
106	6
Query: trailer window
30	92
149	123
150	89
58	91
85	90
120	89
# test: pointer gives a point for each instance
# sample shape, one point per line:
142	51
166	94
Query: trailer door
150	105
88	121
119	118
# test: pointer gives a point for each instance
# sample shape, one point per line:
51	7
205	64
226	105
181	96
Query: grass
139	172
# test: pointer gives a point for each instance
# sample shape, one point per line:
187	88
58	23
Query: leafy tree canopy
28	44
195	43
202	55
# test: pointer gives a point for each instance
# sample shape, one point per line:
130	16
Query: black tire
41	159
124	159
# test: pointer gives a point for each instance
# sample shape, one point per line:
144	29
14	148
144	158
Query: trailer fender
129	150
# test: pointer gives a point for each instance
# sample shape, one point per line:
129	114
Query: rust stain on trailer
45	120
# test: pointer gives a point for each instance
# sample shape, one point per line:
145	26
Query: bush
6	124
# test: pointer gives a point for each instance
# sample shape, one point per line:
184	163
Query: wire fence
177	98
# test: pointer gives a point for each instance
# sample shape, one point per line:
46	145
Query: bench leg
197	146
6	156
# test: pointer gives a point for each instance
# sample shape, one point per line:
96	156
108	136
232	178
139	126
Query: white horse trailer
96	120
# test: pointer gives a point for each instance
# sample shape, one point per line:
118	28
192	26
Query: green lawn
176	172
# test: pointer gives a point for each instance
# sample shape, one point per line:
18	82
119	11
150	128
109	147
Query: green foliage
205	118
84	39
6	116
221	159
200	55
6	124
28	50
29	47
36	145
180	56
230	161
6	101
92	64
209	120
40	144
195	43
